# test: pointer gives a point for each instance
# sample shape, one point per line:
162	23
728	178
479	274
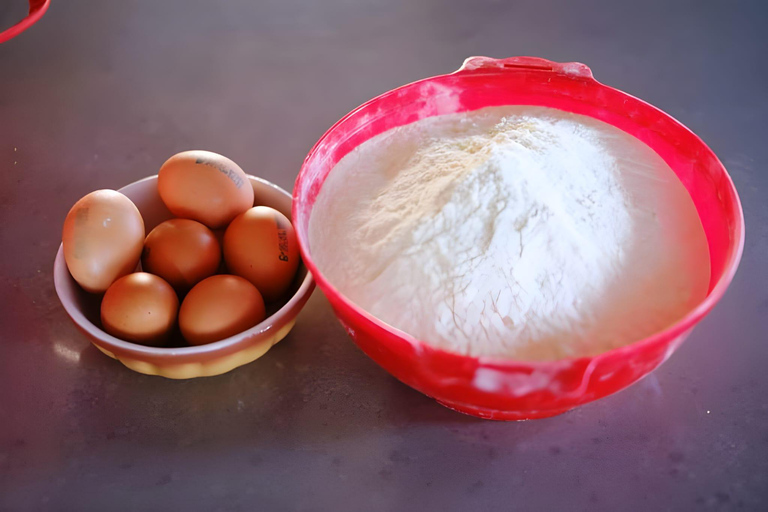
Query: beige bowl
193	361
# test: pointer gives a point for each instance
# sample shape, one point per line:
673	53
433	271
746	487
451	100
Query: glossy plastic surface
36	10
507	389
194	361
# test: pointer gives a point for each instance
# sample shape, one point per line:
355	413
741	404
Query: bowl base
495	414
218	366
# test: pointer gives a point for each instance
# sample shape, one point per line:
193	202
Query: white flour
520	236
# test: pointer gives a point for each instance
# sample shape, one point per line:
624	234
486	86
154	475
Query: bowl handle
479	64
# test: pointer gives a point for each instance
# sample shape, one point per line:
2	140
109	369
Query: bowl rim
578	71
61	272
36	10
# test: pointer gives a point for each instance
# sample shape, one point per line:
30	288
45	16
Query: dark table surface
99	94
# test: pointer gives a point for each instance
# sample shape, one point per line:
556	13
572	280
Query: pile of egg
210	270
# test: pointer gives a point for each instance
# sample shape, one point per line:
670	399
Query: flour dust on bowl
516	239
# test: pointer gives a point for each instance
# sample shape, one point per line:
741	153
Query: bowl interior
84	307
693	162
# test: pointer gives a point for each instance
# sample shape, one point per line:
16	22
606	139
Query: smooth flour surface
519	232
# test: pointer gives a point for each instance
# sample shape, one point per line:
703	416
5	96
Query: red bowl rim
575	68
36	10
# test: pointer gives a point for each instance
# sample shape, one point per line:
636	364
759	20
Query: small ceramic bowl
185	362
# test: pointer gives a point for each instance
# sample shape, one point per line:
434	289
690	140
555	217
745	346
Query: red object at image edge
500	388
36	10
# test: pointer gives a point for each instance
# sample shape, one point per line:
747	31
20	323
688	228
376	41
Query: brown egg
181	251
102	237
205	187
141	308
219	307
260	245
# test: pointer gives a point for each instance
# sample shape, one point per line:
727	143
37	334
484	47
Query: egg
181	251
141	308
102	239
219	307
204	186
260	245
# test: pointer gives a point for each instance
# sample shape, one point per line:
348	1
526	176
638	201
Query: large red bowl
507	389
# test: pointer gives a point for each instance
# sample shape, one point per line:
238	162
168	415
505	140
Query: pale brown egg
219	307
141	308
181	251
204	186
103	237
260	245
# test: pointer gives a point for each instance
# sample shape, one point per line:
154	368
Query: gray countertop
99	94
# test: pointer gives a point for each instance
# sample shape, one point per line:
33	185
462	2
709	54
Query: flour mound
526	236
500	236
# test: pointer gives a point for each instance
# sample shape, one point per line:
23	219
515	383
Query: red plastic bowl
36	10
507	389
